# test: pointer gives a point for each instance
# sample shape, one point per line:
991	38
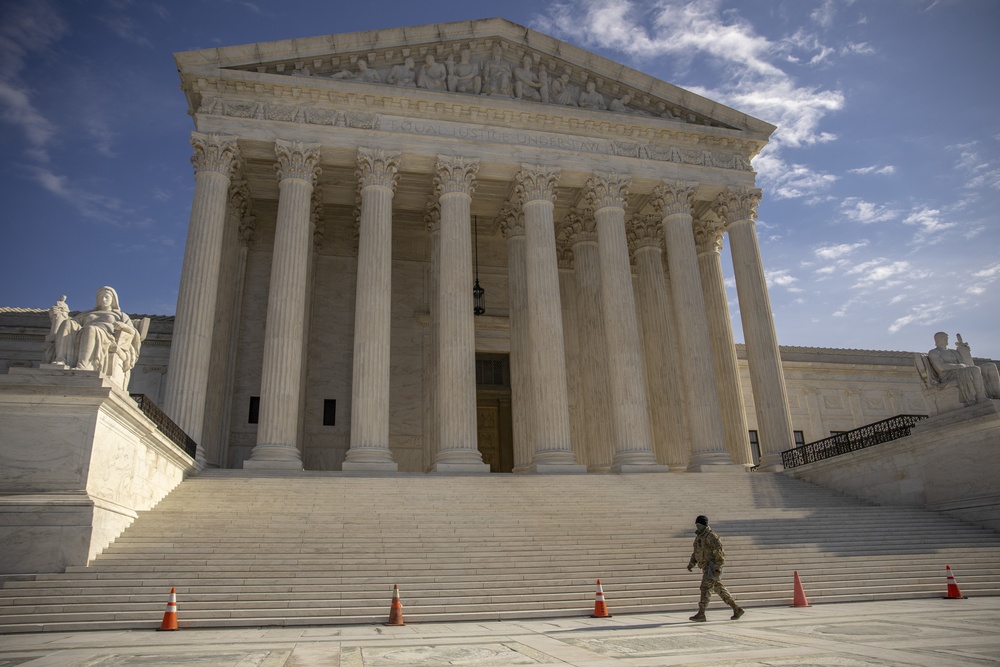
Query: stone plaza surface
931	632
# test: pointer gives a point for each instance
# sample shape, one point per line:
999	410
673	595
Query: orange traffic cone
953	592
800	595
600	606
396	609
170	616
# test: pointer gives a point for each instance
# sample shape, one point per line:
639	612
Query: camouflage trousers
709	586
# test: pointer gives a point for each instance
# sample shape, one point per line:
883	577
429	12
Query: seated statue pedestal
78	461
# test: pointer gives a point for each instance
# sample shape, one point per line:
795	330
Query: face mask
700	528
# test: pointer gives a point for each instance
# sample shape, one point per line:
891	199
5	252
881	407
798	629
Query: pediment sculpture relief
952	379
488	74
103	339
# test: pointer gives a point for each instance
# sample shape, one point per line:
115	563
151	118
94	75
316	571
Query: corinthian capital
511	220
606	190
215	152
708	235
297	160
736	204
455	174
674	197
644	231
536	183
376	167
577	227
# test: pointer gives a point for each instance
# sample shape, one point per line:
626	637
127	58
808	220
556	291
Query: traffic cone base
600	606
170	616
799	600
953	592
396	608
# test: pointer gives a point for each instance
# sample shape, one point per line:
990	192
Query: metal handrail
851	441
165	424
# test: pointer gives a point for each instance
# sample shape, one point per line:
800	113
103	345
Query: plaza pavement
931	632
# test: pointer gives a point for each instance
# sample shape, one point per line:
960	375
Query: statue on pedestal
975	383
103	339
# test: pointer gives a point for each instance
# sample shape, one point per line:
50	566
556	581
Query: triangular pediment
489	58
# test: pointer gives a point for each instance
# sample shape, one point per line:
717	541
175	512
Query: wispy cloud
882	273
829	252
90	205
929	220
859	210
25	29
126	28
887	170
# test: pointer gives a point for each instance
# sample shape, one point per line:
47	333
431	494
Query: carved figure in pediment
301	69
621	105
402	75
496	75
528	85
561	92
591	99
364	73
463	76
433	75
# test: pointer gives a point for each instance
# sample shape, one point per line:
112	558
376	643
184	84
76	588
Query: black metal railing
165	424
851	441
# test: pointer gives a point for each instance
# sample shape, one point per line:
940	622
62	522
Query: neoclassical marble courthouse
470	247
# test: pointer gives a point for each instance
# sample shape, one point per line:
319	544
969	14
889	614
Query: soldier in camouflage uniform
709	556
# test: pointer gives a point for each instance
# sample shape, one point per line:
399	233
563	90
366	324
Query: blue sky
880	222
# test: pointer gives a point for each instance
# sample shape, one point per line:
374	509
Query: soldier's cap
702	519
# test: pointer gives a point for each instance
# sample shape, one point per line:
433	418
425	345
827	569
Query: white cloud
781	278
874	169
127	29
929	220
880	273
829	252
108	210
859	210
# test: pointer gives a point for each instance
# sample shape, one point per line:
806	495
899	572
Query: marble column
708	450
579	230
708	241
215	159
378	173
774	423
511	222
667	418
284	330
432	218
458	449
679	449
225	334
550	429
633	442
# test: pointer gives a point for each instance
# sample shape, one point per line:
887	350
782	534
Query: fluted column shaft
432	218
550	427
774	422
214	160
284	330
377	173
607	194
708	240
458	449
512	225
580	232
708	451
667	418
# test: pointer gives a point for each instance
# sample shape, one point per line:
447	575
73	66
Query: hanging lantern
478	293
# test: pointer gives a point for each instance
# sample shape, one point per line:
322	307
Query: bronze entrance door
494	430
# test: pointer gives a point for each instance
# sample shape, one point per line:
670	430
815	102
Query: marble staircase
251	548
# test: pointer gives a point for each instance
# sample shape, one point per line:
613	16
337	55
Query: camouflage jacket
708	549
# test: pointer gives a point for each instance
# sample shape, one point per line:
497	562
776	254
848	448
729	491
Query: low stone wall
78	462
949	463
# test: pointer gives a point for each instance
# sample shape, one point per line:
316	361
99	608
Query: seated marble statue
561	92
88	340
496	75
975	383
364	73
433	75
402	75
591	99
463	76
528	85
